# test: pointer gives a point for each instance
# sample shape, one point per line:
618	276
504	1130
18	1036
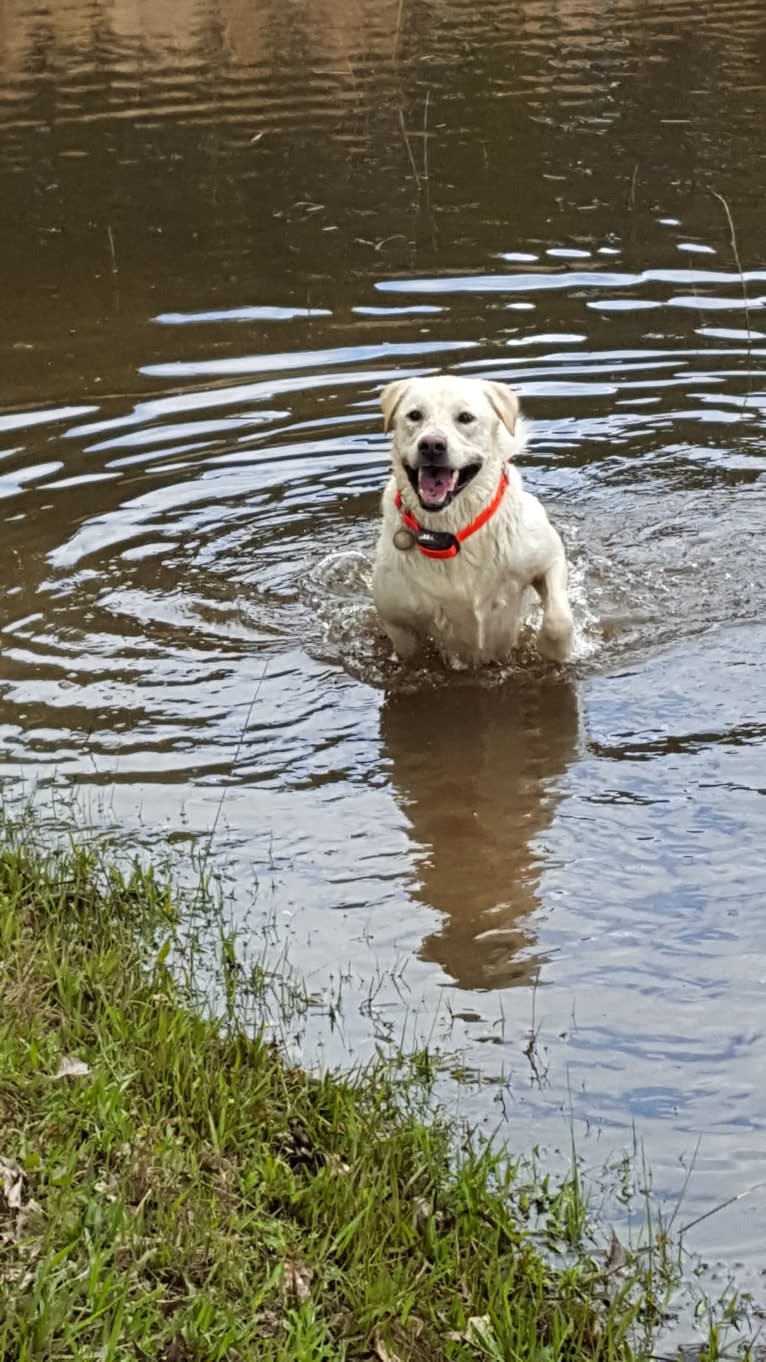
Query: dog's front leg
406	643
555	638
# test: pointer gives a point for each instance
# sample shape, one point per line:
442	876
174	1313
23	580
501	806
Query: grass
172	1189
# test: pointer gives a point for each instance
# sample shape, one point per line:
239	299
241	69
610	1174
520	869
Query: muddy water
222	228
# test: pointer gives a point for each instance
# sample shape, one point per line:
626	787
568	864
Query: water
221	233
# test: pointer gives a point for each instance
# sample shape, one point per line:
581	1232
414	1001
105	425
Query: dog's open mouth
436	486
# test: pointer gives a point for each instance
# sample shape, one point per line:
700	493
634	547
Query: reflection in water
475	770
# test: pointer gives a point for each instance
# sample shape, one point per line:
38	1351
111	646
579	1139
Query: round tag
403	539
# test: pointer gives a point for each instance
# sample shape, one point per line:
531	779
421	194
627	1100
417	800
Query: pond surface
223	227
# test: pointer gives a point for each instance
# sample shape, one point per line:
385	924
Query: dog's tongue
435	485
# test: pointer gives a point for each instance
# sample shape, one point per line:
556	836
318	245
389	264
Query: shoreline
172	1188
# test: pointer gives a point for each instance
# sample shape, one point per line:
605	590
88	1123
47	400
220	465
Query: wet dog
461	541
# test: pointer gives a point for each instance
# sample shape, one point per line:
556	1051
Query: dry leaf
106	1188
23	1229
337	1166
297	1277
478	1330
72	1068
421	1214
383	1353
18	1276
616	1258
269	1323
177	1350
12	1183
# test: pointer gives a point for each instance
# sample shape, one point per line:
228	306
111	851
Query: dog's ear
504	402
390	398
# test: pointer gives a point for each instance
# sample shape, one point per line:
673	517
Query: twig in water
398	29
112	252
425	136
720	1207
539	1071
406	137
208	851
738	263
687	1180
633	183
232	768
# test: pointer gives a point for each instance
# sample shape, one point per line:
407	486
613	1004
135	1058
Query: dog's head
448	431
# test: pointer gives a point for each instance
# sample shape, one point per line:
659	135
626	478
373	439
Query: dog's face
446	430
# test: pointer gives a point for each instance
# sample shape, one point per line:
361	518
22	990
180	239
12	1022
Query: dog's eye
465	418
414	415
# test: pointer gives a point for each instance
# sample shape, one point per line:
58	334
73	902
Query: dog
461	541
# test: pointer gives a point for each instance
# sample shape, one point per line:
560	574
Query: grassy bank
171	1188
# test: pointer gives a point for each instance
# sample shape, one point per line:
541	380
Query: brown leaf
297	1278
177	1350
27	1221
300	1136
12	1184
478	1330
383	1353
616	1258
336	1165
19	1276
269	1323
421	1214
72	1068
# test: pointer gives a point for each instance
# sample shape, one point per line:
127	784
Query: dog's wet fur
453	440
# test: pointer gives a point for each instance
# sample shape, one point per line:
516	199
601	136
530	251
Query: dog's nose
433	447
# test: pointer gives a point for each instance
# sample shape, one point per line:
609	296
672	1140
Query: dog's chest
471	604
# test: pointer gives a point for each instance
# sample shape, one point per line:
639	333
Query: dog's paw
404	642
555	640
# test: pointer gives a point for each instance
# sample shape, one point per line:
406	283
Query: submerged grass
172	1188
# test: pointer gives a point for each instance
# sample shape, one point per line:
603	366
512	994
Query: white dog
461	540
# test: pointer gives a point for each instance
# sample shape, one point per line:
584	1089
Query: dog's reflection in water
476	774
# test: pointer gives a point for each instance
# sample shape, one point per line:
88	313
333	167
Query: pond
224	228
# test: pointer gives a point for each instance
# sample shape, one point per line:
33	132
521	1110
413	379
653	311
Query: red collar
440	543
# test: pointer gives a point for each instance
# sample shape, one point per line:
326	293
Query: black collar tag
438	541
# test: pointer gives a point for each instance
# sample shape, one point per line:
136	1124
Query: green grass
194	1196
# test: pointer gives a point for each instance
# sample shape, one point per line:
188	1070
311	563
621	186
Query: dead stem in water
398	28
741	272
